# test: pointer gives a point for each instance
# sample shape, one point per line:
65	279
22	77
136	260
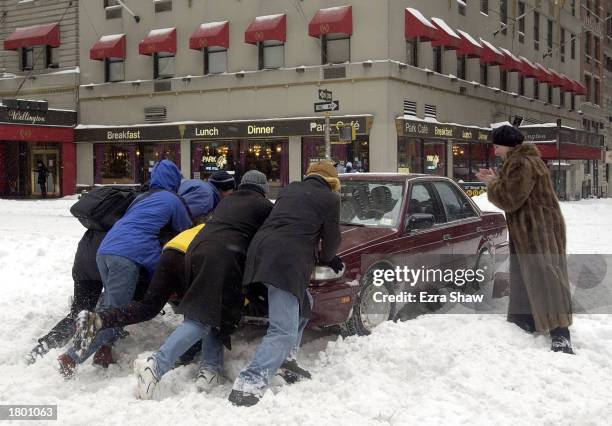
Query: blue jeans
282	341
183	338
119	277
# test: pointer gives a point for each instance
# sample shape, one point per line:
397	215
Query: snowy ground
437	369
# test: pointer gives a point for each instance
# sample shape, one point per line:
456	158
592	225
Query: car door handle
446	237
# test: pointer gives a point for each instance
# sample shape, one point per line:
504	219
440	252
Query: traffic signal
347	133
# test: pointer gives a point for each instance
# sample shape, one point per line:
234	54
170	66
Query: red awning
109	46
528	69
36	35
445	35
418	26
158	41
511	63
544	76
568	86
263	28
579	88
490	54
569	151
468	45
210	34
18	132
556	79
334	20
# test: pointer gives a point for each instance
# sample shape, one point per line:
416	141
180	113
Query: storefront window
461	161
209	157
409	155
115	163
153	153
271	157
482	156
355	155
434	156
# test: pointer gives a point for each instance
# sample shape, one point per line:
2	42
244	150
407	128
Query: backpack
101	207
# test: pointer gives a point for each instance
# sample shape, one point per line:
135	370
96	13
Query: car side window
422	201
455	206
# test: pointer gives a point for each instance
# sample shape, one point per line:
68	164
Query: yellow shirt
182	240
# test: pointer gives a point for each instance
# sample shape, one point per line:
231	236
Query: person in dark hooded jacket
131	244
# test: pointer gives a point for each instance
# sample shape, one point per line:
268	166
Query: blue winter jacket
201	197
136	235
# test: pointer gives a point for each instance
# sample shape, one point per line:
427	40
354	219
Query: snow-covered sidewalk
437	369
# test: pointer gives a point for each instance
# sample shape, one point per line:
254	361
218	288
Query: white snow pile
437	369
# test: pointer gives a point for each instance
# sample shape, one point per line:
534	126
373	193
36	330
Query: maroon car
389	220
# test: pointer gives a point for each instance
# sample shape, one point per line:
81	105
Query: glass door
45	172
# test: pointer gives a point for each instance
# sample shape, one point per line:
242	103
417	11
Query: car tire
366	313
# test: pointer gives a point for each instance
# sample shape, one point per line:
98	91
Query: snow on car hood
354	237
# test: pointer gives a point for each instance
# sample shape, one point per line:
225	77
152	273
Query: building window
51	60
587	83
412	52
503	15
536	30
573	46
335	50
484	74
271	54
27	58
437	59
461	67
112	9
573	102
562	45
536	89
550	94
163	65
573	7
521	21
114	70
503	80
587	47
162	5
484	6
549	35
461	5
596	91
562	98
597	51
215	60
521	87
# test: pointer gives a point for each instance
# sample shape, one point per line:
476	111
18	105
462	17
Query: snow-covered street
437	369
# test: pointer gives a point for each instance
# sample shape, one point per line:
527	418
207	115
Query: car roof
393	177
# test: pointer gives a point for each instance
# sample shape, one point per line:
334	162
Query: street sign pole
327	139
559	158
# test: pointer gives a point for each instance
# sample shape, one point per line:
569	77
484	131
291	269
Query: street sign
326	106
325	95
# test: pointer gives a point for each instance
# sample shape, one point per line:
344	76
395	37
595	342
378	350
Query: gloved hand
336	264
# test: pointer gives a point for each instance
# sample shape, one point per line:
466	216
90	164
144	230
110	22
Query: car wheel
367	312
485	263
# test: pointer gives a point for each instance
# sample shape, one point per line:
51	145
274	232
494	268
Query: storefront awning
544	76
510	63
35	35
333	20
528	69
568	86
490	54
109	46
265	28
579	88
468	45
445	36
158	41
556	79
210	34
416	25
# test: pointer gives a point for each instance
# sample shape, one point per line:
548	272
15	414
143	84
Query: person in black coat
42	171
282	256
213	303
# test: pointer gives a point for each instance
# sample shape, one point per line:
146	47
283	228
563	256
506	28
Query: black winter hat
222	180
507	136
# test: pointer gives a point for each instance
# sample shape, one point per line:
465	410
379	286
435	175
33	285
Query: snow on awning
264	28
567	86
158	41
468	45
109	46
210	34
333	20
544	76
35	35
528	69
490	54
556	79
510	63
445	35
416	25
579	88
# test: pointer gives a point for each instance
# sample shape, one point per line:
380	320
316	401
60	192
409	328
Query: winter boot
243	399
37	352
146	374
67	366
561	341
292	373
87	326
208	379
104	356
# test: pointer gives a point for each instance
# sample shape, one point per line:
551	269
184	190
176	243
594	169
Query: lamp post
559	158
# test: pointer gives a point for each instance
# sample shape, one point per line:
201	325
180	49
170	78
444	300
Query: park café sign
437	130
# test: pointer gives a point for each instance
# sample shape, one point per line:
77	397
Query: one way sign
326	106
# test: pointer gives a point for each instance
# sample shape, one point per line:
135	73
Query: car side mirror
420	221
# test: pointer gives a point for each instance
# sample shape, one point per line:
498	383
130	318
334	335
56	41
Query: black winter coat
85	267
285	249
215	261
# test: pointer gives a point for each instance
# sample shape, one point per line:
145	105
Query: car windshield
371	203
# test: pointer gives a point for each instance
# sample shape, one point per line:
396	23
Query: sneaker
208	379
243	399
87	326
562	344
104	356
292	373
37	352
67	366
146	376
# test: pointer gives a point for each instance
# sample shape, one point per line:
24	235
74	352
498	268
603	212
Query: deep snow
436	369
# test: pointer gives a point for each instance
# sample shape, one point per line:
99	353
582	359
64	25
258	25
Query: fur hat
507	136
327	171
255	178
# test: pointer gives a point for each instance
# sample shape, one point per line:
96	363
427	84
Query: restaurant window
480	156
271	157
521	21
215	60
412	51
549	34
536	89
352	157
409	155
149	154
434	158
335	49
461	161
271	54
521	85
210	157
503	80
562	45
536	30
437	57
484	6
114	69
462	67
27	58
503	15
116	163
572	46
163	65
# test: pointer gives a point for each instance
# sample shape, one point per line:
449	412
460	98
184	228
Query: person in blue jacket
131	246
